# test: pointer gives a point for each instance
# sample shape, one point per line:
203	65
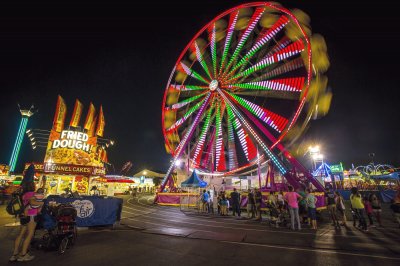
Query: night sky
121	55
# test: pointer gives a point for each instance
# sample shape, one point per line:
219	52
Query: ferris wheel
237	90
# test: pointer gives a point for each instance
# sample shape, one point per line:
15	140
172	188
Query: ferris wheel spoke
201	141
262	40
188	87
290	51
250	27
207	160
294	84
187	115
283	69
228	39
213	47
281	44
200	59
185	102
219	151
233	162
192	73
272	119
247	144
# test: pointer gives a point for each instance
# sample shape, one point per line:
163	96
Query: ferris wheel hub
213	85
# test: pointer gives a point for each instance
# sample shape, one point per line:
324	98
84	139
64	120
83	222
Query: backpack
15	206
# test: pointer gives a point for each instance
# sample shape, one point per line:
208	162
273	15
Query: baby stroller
60	222
277	216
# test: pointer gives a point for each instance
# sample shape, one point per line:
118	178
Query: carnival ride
243	90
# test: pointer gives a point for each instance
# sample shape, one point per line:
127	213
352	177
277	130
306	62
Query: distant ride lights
241	83
26	114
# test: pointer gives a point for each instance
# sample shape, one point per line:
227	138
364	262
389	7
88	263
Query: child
376	208
368	210
311	200
39	197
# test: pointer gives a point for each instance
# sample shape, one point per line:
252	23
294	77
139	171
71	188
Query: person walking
258	199
358	207
311	200
340	207
235	196
250	204
376	208
292	199
331	206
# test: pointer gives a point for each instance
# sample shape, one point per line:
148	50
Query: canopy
194	181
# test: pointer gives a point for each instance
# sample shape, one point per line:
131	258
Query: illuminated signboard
73	169
72	140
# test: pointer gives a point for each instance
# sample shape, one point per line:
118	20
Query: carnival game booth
188	194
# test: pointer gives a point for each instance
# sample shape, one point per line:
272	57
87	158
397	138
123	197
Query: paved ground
152	235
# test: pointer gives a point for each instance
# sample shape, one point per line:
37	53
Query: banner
59	117
76	114
89	117
101	123
92	127
104	156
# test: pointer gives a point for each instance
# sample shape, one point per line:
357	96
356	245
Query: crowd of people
301	206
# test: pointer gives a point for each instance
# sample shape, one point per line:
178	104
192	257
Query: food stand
73	156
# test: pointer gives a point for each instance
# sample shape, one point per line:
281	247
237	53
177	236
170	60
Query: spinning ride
237	90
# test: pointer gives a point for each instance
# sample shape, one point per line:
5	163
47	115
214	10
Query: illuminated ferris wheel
237	89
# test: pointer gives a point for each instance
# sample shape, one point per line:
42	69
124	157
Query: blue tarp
194	181
93	210
391	176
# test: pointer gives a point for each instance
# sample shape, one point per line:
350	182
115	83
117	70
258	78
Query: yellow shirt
356	202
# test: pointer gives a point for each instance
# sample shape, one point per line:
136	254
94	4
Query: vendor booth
74	155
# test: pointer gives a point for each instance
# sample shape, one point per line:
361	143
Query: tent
194	181
148	173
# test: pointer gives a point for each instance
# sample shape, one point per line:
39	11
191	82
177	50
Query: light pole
372	155
314	152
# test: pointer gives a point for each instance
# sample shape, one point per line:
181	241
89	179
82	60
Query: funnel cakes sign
74	149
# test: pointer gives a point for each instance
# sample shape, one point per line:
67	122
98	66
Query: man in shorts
331	206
